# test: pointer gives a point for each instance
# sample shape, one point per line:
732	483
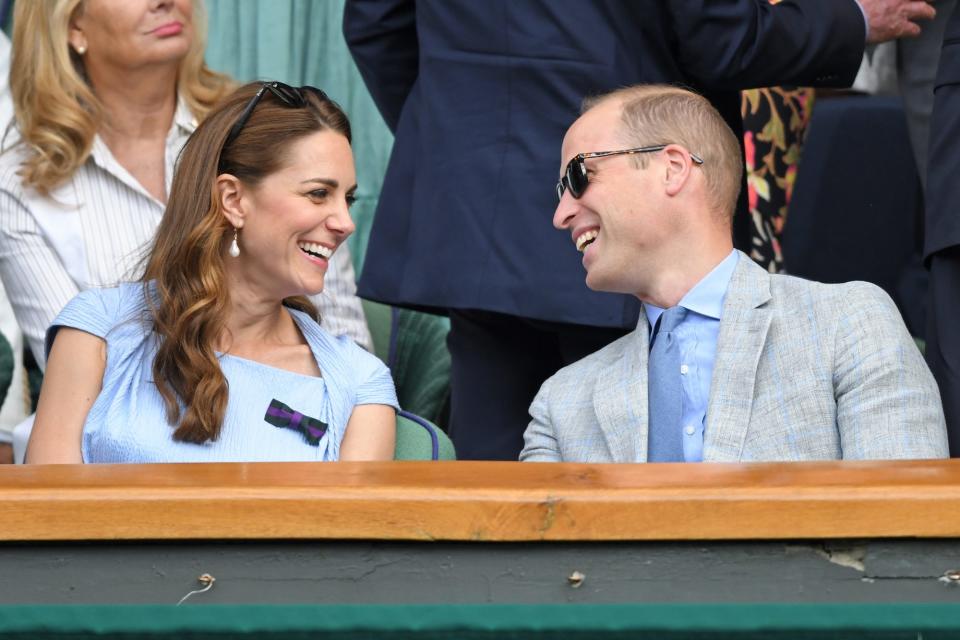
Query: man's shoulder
835	316
804	313
794	299
790	292
581	374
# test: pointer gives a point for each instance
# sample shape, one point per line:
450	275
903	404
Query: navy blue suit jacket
480	93
943	172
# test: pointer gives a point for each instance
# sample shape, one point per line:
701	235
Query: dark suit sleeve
942	239
741	44
382	37
943	172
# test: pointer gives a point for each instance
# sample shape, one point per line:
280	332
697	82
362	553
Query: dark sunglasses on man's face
575	177
295	97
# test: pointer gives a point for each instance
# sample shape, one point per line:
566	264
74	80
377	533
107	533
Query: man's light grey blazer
803	371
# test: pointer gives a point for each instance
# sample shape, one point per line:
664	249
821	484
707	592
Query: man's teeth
316	249
586	238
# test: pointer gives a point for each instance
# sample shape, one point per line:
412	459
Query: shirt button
690	430
684	369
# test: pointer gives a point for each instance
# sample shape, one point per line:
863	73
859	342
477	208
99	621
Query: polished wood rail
480	501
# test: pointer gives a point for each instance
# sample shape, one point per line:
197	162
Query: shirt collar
183	117
184	123
706	297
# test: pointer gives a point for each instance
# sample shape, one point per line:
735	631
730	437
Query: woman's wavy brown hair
56	110
184	276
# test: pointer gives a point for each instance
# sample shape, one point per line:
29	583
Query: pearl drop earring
234	247
81	50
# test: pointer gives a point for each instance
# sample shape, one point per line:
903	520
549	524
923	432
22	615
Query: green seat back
7	363
419	439
379	319
414	346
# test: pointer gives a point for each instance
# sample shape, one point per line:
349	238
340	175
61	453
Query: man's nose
566	211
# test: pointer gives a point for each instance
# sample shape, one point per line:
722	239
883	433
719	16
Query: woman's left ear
230	193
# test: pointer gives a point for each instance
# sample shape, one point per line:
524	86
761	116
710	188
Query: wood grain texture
481	501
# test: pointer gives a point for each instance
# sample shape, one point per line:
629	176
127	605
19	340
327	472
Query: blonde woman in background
14	405
106	93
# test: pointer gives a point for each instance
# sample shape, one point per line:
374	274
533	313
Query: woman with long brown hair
216	355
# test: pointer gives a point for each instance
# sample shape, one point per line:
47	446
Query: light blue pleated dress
272	414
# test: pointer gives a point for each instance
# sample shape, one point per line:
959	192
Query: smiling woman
216	355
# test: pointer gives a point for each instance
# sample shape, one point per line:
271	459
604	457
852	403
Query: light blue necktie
665	394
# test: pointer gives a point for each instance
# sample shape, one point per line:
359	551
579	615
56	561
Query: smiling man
727	363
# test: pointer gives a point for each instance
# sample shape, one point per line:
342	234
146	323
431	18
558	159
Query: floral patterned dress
774	122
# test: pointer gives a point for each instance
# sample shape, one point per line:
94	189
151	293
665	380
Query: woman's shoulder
355	372
316	335
112	301
99	310
339	349
13	154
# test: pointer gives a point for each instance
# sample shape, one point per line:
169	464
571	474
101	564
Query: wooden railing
473	501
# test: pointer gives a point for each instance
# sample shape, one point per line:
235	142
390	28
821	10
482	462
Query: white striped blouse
93	231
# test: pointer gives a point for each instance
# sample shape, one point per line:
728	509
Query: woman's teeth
586	238
316	249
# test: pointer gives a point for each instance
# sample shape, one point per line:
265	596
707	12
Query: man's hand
891	19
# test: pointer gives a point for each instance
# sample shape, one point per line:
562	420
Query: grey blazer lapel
620	399
744	324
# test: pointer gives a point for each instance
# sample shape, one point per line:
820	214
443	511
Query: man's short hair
662	114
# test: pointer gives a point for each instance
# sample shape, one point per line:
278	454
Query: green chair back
419	439
7	364
380	321
414	346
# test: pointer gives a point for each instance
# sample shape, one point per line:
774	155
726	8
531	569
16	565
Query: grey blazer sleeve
539	440
888	405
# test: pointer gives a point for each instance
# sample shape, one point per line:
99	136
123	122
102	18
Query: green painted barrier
467	622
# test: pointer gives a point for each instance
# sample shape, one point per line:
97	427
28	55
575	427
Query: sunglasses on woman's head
295	97
575	177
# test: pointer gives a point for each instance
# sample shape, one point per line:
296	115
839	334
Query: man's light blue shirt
697	340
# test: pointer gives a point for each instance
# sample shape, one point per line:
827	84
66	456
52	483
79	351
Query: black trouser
943	336
498	363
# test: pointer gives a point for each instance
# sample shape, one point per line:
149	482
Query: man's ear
679	166
230	191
